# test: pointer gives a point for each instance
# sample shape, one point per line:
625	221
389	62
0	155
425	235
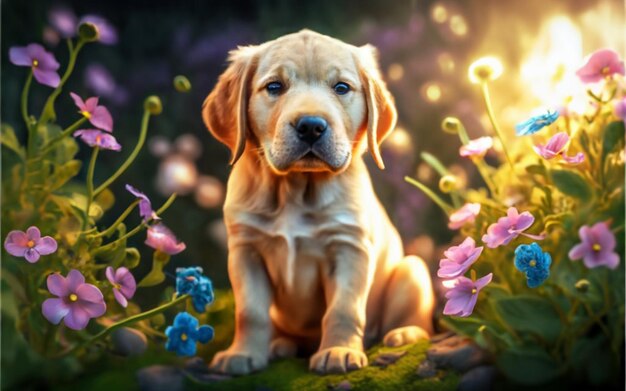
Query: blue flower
536	123
183	335
530	259
191	281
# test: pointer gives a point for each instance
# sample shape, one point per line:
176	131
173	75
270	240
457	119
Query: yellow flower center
73	297
474	290
183	337
117	286
596	247
86	114
532	263
35	63
605	70
31	244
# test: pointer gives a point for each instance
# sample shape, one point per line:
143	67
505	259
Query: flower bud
582	286
182	84
153	105
88	32
448	183
451	125
485	69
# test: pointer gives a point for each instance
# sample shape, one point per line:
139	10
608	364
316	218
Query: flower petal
78	101
89	292
110	275
31	255
101	118
47	245
74	280
54	310
94	310
205	334
577	159
120	297
47	77
578	251
57	285
76	318
19	56
16	243
33	233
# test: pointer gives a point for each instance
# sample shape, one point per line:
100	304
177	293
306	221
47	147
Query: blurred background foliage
425	48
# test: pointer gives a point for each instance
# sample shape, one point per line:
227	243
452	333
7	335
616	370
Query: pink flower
124	285
557	145
76	303
597	247
161	238
458	259
477	147
29	244
467	214
600	64
43	63
620	108
99	116
145	206
97	138
463	295
509	227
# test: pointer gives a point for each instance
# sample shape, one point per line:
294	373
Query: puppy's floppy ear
381	110
225	110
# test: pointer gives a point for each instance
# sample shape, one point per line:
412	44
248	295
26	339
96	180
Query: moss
293	374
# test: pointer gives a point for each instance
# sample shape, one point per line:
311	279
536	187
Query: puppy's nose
310	128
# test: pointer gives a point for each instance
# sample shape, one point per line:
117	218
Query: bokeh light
176	174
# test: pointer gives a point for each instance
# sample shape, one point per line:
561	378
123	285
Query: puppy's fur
314	262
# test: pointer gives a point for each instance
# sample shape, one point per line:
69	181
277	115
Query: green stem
139	227
48	110
131	158
66	132
492	118
442	170
25	115
463	134
90	172
119	220
447	208
131	320
484	172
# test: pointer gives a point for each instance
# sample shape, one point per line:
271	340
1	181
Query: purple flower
63	20
620	108
463	295
467	214
29	244
76	303
161	238
509	227
99	116
145	206
597	247
557	145
600	64
458	259
100	80
98	138
43	63
476	147
106	32
123	282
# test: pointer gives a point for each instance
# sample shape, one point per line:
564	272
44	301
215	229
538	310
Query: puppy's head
305	102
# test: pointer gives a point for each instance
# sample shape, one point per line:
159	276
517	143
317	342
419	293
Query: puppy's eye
274	88
341	88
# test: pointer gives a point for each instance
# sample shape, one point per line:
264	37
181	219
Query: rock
160	378
426	369
199	370
128	342
478	379
440	337
384	359
460	354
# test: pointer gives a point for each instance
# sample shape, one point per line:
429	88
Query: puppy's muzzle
310	128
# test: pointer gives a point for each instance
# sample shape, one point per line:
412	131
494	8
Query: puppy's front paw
404	336
337	359
237	362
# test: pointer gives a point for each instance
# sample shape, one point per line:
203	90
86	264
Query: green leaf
9	140
530	314
538	169
105	199
592	356
63	173
156	276
613	136
572	184
528	365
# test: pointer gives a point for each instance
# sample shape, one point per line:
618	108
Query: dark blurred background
425	49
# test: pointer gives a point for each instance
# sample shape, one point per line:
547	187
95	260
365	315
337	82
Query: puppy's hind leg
409	303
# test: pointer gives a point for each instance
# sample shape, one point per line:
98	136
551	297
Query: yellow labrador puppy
314	262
